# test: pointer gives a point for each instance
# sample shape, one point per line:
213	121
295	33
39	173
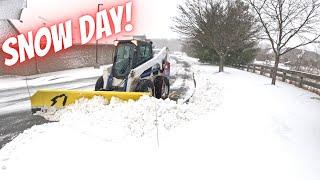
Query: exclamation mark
129	26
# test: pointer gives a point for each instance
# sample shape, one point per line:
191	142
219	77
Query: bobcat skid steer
137	69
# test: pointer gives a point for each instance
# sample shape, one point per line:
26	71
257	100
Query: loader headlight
132	74
116	43
135	42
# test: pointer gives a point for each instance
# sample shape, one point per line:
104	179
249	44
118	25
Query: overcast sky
153	16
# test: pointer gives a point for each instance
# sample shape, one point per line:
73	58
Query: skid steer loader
136	71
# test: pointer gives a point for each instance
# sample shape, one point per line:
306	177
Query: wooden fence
307	81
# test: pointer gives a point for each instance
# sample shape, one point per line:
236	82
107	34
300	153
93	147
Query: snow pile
115	120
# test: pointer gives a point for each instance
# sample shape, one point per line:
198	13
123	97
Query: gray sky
159	15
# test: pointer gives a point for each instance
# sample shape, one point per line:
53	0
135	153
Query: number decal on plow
55	99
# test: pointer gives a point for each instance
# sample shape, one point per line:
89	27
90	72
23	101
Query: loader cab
130	54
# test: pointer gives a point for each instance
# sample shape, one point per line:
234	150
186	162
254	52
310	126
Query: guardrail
304	80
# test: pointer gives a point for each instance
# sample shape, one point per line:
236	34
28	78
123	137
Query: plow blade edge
44	99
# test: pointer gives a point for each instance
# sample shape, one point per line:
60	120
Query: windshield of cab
124	56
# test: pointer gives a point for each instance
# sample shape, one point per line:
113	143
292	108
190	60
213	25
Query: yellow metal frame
61	98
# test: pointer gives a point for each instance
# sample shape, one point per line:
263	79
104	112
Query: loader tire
99	84
145	86
162	87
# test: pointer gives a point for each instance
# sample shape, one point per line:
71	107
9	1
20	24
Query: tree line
227	32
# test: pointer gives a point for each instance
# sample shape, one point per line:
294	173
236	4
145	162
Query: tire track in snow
181	80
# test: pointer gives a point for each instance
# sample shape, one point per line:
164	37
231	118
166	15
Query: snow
183	76
271	63
236	126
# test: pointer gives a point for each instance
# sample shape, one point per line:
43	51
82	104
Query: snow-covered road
236	126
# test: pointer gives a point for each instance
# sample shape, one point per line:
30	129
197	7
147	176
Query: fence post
301	82
248	66
261	70
254	68
284	76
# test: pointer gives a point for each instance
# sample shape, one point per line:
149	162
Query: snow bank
115	120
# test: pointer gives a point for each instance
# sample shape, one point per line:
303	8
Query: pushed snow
236	126
118	119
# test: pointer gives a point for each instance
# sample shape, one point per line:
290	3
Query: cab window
145	53
124	55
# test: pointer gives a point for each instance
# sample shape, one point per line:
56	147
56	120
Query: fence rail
301	79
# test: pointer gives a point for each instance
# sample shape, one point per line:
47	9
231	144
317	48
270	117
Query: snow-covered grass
236	126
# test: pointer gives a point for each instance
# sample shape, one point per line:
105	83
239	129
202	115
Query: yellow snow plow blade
44	99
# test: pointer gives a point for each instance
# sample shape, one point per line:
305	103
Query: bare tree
298	63
287	24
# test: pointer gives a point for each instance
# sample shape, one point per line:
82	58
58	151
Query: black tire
145	86
162	87
99	84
